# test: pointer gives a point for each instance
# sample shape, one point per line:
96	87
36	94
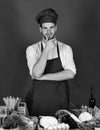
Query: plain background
78	26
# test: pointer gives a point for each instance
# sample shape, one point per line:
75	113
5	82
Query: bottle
92	100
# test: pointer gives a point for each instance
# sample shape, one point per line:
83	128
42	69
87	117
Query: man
50	64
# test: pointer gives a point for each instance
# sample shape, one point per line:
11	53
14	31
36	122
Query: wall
78	26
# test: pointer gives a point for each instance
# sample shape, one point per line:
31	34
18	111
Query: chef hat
47	15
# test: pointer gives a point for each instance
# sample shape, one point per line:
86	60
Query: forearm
39	67
62	75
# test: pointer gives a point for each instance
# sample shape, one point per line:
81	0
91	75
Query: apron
45	97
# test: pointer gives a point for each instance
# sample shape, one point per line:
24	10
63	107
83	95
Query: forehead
48	24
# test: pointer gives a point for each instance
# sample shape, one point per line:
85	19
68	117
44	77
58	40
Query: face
48	30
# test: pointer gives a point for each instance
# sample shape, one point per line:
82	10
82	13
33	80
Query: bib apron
45	97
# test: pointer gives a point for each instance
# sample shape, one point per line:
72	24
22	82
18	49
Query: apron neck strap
58	50
41	47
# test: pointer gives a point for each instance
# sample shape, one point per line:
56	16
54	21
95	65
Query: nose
48	31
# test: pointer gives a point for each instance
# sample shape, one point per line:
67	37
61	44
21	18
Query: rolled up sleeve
67	59
31	58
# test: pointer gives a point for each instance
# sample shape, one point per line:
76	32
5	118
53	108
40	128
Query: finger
46	38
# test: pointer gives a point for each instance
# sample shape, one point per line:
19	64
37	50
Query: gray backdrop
78	26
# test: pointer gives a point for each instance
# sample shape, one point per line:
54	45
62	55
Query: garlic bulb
47	121
85	116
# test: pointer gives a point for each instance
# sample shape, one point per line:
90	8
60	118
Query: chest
53	65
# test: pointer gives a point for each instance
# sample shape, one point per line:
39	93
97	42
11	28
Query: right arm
35	62
40	65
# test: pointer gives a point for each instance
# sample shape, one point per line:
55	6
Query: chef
51	65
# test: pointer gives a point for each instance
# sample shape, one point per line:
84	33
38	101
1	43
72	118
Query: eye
44	28
52	27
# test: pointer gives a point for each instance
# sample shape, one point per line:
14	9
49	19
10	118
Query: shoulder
32	48
64	46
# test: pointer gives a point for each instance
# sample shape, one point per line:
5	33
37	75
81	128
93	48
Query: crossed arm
40	64
39	67
62	75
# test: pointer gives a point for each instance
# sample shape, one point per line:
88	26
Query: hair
47	15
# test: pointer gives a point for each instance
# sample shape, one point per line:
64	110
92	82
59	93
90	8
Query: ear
40	29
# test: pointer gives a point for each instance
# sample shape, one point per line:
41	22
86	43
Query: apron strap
58	50
41	47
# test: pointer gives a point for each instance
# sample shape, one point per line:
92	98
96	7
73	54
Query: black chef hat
47	15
